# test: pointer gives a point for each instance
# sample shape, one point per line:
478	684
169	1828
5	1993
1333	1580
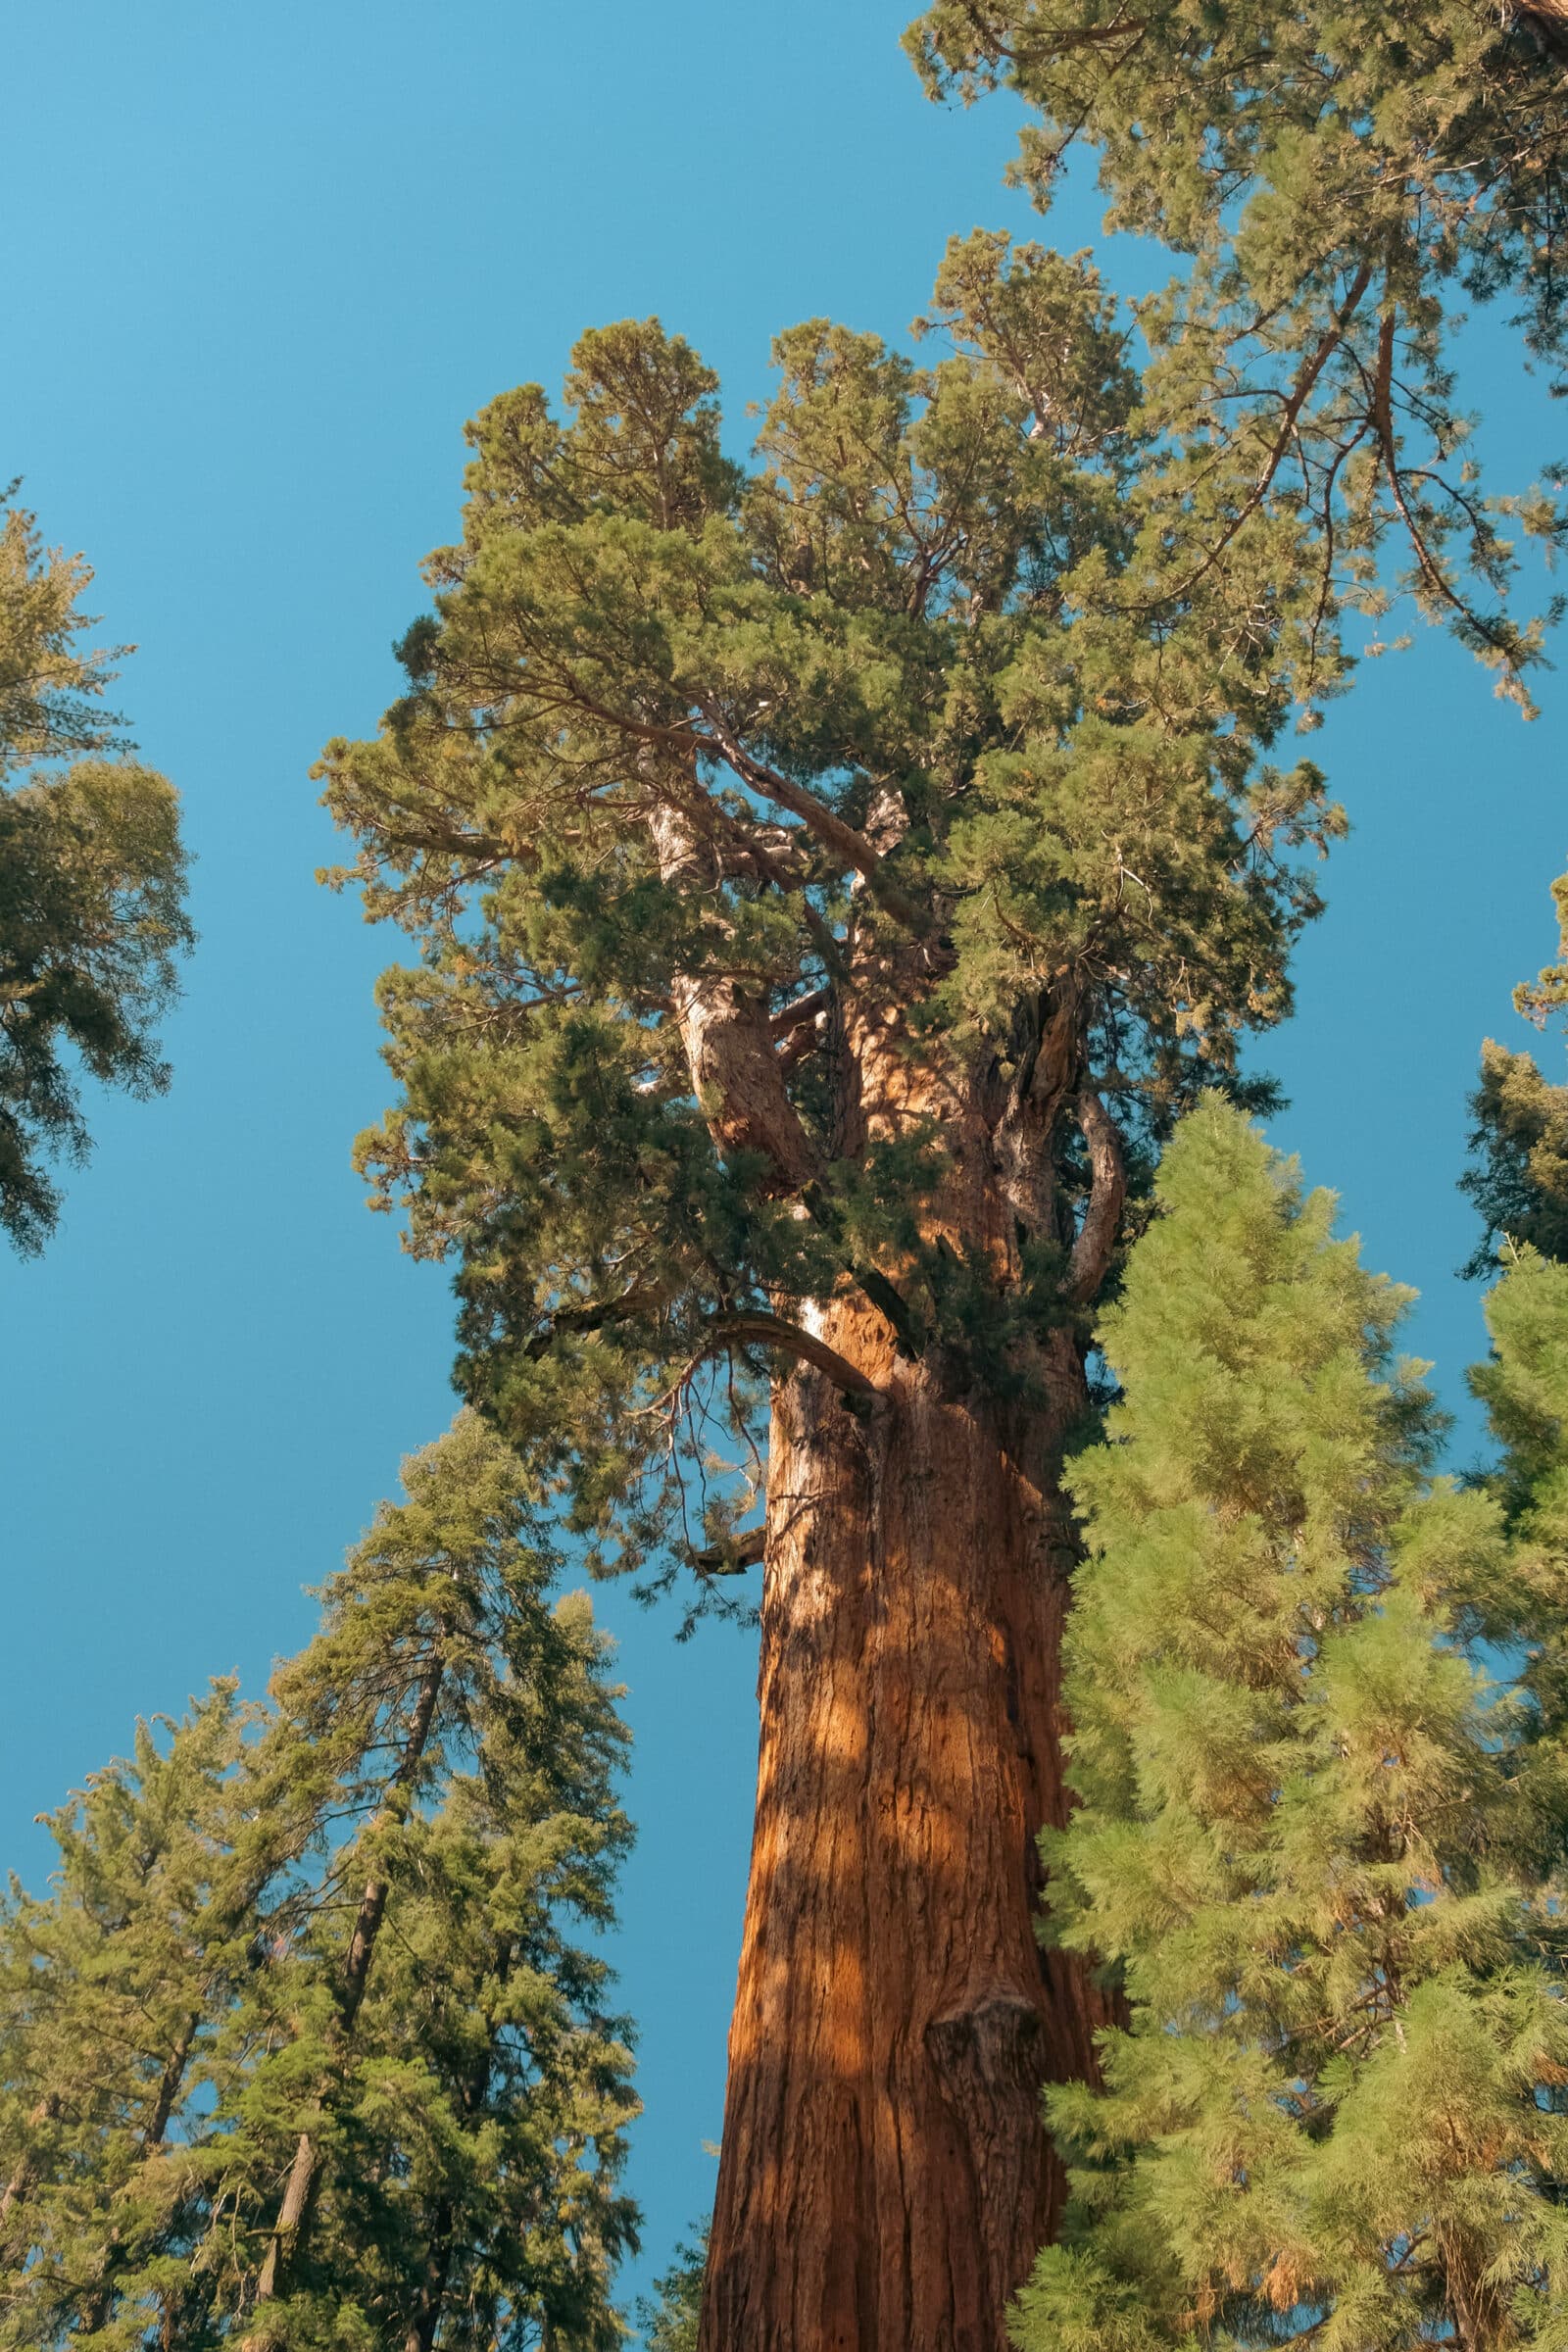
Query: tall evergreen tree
1322	1854
92	883
401	2099
108	1992
1338	181
827	881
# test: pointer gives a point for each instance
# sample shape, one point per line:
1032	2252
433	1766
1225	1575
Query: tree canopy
1338	179
1518	1176
705	778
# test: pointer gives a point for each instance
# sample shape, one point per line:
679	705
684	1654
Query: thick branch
729	1049
789	1338
803	1009
1107	1194
824	822
22	2180
588	1318
829	827
733	1559
802	1042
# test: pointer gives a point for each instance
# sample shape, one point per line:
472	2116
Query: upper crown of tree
697	767
1336	179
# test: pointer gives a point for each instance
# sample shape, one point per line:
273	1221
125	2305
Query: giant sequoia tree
828	880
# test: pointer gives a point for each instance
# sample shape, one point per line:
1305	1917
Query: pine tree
827	881
109	1992
1518	1176
386	2104
1339	181
92	882
428	2102
1321	1853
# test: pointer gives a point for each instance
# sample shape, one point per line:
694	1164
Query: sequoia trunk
885	2180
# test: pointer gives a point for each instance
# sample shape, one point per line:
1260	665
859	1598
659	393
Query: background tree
1338	181
1323	1856
92	883
1518	1176
109	1989
669	2318
398	2104
826	891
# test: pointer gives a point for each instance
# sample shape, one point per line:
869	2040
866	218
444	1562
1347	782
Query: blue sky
259	267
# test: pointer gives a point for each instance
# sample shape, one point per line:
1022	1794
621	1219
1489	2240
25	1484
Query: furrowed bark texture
885	2180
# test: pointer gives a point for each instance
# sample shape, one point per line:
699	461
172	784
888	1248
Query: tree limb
733	1558
762	1329
588	1318
1107	1194
829	827
803	1009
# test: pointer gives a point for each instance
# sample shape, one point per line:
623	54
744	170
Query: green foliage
1337	179
669	2321
92	881
340	1924
698	765
108	1989
1318	1852
1518	1177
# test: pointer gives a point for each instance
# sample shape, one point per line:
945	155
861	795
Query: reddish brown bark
885	2180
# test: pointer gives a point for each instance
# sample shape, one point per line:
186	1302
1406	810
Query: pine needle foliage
1316	1849
109	1989
699	765
92	883
1518	1173
304	2050
1339	181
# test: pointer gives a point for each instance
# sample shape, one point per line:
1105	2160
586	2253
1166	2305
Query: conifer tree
1518	1176
1338	181
110	1990
1321	1852
827	881
402	2099
92	882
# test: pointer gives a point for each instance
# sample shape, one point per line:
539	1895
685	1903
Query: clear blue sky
257	268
